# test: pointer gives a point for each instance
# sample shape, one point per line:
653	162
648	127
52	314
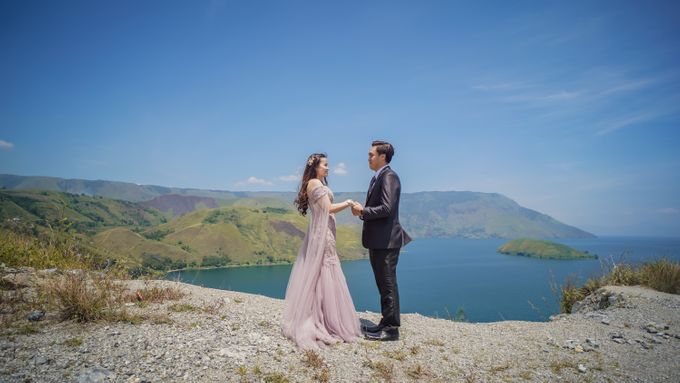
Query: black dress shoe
372	328
387	333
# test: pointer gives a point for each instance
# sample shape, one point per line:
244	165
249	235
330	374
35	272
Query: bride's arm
332	208
336	207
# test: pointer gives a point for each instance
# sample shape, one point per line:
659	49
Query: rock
603	302
577	306
581	368
592	342
570	344
605	321
18	281
40	360
651	327
578	348
36	315
94	375
613	299
47	272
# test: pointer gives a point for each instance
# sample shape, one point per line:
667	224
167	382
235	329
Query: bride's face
322	168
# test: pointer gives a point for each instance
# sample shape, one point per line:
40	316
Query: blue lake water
439	276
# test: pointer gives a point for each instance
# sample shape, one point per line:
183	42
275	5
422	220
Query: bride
318	308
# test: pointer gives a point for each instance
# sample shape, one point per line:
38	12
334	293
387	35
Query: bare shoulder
313	184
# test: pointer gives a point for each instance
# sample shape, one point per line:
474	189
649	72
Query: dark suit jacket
382	229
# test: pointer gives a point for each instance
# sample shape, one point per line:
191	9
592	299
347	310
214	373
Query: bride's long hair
302	200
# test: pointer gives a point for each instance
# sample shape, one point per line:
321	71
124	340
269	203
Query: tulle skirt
328	315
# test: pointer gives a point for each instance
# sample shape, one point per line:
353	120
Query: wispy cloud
617	124
502	86
254	181
6	145
543	98
340	169
624	86
668	210
587	88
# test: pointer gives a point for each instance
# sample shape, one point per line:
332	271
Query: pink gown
318	308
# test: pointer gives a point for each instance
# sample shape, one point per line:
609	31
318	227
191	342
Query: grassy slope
124	230
246	234
541	249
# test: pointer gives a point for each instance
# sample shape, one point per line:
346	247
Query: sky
568	108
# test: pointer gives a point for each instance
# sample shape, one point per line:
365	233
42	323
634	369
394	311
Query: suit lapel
375	184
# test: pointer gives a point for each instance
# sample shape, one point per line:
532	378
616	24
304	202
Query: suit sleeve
389	193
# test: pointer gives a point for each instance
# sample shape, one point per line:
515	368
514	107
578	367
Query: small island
537	248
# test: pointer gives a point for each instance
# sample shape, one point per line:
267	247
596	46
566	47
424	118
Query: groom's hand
357	209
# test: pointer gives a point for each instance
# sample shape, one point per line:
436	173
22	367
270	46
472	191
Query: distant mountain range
461	214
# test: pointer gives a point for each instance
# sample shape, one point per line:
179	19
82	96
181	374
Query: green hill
83	214
141	238
250	235
461	214
542	249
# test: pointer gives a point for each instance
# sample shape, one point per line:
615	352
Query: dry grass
323	376
558	365
28	329
16	303
312	359
183	307
418	372
213	308
73	342
381	370
156	294
85	298
661	275
275	377
42	252
396	355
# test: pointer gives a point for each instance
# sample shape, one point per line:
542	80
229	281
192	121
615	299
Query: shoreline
250	265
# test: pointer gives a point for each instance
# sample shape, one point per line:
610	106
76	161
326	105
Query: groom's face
375	160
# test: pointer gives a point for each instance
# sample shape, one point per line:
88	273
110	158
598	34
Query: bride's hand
350	203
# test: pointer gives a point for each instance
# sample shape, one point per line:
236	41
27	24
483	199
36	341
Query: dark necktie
370	187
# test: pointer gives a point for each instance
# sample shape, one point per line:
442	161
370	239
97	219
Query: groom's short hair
384	147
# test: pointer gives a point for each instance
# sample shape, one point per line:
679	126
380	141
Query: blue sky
569	108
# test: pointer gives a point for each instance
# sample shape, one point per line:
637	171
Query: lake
437	277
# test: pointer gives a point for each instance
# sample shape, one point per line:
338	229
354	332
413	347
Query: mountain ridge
464	214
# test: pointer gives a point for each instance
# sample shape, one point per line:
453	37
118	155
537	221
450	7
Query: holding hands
356	207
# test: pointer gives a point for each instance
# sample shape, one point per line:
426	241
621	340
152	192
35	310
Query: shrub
661	275
83	298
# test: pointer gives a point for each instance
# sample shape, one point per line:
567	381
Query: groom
383	236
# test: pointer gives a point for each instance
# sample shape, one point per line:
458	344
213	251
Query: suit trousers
384	264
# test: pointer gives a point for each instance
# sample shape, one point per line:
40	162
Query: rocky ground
620	334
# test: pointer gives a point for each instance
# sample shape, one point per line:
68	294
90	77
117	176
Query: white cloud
340	169
6	145
668	210
253	181
290	178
